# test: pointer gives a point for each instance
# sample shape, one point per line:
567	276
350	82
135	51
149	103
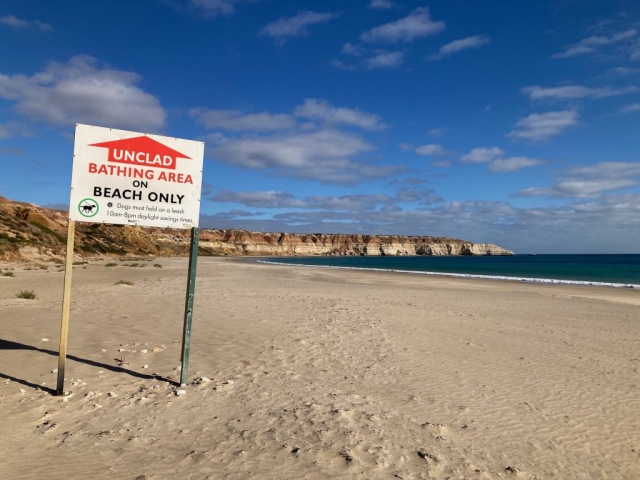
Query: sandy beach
317	373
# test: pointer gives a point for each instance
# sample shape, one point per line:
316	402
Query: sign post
188	305
66	307
130	178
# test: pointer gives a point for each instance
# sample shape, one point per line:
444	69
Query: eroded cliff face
32	233
240	242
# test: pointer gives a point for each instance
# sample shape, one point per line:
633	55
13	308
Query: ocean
603	270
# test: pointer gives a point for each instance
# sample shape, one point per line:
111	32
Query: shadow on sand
10	345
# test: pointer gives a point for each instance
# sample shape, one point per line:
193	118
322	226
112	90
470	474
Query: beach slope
318	373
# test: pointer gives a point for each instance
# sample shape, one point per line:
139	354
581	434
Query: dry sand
317	373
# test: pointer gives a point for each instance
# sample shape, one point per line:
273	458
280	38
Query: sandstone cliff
32	233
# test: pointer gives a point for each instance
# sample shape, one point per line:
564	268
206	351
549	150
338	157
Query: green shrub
60	238
111	264
123	282
133	264
28	294
7	274
84	262
157	265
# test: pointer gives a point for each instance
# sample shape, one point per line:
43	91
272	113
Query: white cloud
462	44
442	164
592	44
590	220
590	181
215	138
352	49
15	22
348	203
85	92
382	4
285	28
513	163
634	107
431	149
384	59
241	213
578	188
541	126
343	66
315	109
609	170
266	199
574	51
482	155
494	157
635	51
13	129
235	120
536	92
438	132
325	156
611	223
405	146
375	58
622	71
425	197
212	8
416	25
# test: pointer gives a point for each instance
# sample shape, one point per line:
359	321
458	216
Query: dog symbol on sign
88	207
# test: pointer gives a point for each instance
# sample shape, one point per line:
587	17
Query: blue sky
508	122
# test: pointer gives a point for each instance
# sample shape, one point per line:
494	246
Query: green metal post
188	305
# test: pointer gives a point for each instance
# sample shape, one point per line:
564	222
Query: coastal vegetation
26	294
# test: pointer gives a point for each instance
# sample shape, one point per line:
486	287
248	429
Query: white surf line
468	275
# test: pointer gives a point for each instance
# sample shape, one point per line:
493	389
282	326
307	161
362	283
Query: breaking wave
467	275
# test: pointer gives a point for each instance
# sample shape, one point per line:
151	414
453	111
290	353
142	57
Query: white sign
130	178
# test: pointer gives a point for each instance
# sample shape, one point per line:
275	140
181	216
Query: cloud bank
84	91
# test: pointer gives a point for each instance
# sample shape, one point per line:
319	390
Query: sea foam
468	275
